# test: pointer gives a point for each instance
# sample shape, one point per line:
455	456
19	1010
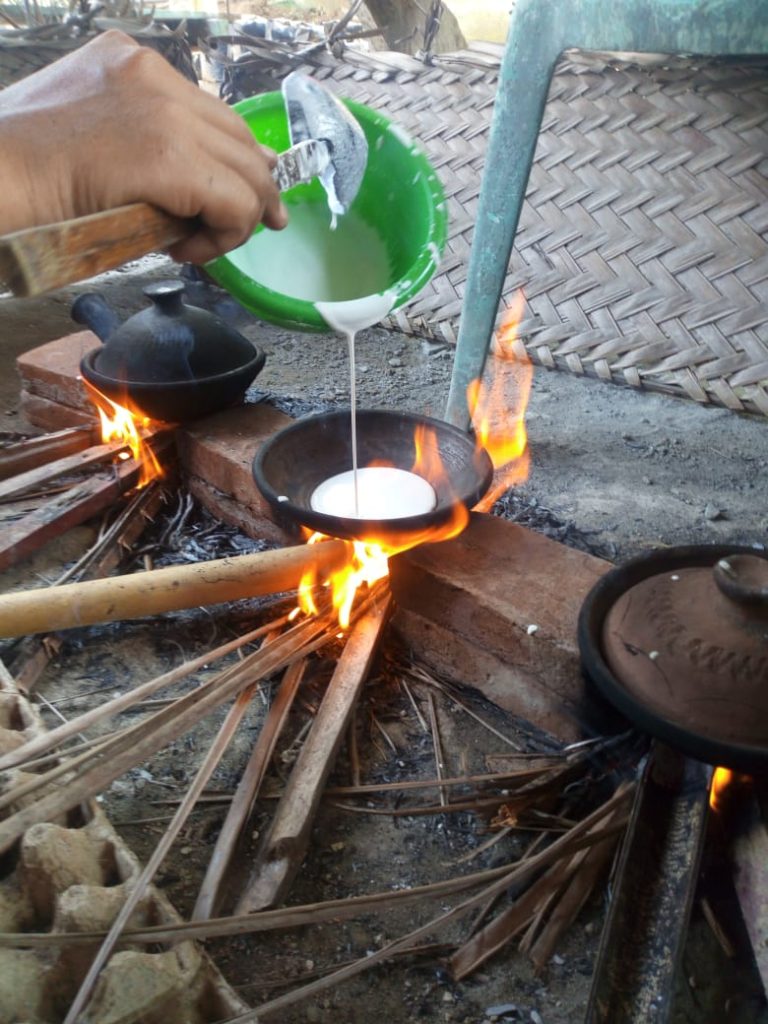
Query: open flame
724	779
498	412
497	407
119	423
369	558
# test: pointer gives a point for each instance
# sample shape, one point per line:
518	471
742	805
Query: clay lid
678	641
692	645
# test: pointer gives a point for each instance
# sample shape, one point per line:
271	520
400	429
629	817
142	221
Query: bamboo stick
329	911
164	590
286	843
133	746
48	740
248	789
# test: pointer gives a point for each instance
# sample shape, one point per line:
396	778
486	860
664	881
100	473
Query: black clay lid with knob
166	343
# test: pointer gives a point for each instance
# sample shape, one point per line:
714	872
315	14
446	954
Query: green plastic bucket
400	208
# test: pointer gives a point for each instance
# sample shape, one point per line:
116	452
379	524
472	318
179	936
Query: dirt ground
613	471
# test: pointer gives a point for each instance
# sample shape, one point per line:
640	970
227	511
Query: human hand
114	123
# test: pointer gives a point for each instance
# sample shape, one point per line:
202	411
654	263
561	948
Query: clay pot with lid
175	362
678	641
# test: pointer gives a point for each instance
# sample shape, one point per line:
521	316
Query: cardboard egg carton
72	875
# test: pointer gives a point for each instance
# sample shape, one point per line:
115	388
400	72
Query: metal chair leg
538	34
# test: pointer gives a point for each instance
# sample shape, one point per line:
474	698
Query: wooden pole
163	590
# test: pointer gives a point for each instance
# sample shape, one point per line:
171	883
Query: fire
498	410
368	563
722	780
119	423
499	428
369	558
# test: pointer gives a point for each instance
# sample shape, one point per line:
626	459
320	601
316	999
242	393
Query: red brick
465	607
217	454
52	371
52	416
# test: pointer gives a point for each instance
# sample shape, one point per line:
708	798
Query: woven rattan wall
642	249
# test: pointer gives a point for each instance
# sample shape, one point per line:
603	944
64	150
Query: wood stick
437	746
22	456
72	507
39	260
321	913
179	711
101	558
535	924
419	717
139	888
163	590
286	843
588	868
421	676
523	777
505	926
107	553
718	931
386	952
247	791
353	751
69	464
135	745
47	741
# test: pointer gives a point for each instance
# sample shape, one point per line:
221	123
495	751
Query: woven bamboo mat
642	249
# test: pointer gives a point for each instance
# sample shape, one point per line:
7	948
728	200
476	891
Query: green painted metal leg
520	99
539	31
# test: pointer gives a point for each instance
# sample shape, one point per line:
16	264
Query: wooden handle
163	590
39	260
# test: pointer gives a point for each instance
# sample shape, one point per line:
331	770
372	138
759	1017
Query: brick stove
495	608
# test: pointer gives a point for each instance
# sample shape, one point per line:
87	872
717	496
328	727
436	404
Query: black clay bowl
177	401
292	464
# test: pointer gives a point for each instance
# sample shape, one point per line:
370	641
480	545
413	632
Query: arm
114	123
